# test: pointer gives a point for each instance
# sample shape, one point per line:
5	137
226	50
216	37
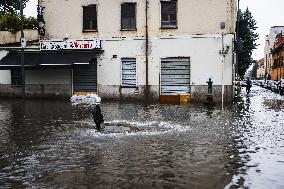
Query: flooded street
50	144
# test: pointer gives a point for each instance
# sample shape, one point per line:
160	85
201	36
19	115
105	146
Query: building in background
151	50
269	44
260	74
277	53
10	76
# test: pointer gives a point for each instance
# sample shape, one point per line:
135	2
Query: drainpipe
22	51
223	62
234	69
278	67
237	38
281	71
147	49
266	64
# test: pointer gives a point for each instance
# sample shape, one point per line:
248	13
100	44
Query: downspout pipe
234	69
237	38
266	64
223	86
146	50
22	51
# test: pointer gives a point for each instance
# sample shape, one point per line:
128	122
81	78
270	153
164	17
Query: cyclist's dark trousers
248	89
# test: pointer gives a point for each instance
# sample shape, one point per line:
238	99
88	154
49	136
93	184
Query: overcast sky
31	9
267	13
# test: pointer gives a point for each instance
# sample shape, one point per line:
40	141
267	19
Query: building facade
149	49
9	77
269	44
277	53
260	69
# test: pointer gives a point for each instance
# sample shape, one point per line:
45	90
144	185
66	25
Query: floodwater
52	144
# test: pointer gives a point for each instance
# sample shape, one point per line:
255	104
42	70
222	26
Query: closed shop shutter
128	72
85	78
175	76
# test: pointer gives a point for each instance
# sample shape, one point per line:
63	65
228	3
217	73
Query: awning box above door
48	58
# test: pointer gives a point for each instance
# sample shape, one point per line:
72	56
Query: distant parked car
254	82
265	84
280	85
270	83
274	86
260	83
243	84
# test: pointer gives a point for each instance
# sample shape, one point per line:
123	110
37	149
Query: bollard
209	98
210	83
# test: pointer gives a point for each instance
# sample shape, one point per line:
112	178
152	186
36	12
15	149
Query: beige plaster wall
64	18
7	37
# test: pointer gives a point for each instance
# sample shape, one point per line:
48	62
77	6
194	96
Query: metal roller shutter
128	72
85	78
175	76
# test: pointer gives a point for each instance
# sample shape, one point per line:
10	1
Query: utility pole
22	41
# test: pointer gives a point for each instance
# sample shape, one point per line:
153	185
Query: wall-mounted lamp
222	25
41	22
66	37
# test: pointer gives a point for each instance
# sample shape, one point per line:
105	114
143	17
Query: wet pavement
50	144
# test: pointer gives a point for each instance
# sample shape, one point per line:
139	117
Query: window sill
134	29
86	31
168	28
129	87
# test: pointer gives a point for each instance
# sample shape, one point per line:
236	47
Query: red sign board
71	44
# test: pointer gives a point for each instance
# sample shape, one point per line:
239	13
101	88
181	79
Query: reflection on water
259	141
50	144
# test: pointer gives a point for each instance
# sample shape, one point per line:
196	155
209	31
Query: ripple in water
121	128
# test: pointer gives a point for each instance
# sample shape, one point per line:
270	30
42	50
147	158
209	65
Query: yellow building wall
278	73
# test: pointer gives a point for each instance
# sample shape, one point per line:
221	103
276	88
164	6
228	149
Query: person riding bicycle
98	116
248	85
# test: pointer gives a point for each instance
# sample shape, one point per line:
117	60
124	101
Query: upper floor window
169	14
128	16
89	18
